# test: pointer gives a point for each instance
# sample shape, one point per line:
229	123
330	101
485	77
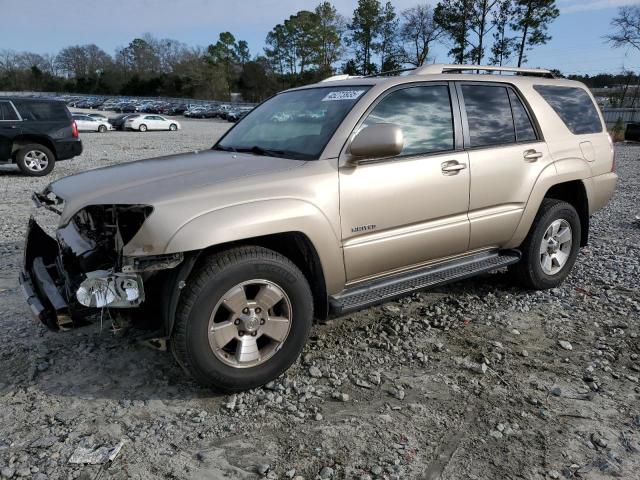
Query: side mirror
377	141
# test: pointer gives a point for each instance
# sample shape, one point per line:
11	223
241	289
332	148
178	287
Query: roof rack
438	68
339	77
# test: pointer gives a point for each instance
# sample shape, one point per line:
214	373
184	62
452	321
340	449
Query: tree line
306	47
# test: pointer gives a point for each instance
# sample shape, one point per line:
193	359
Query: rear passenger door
9	129
506	156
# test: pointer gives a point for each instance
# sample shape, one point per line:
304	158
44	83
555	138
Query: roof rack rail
339	77
438	68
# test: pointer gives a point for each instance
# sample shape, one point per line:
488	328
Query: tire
173	127
202	303
530	272
102	129
35	160
142	127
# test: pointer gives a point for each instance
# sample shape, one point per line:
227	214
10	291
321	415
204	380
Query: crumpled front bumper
41	283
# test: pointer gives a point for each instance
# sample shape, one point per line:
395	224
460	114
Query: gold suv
325	199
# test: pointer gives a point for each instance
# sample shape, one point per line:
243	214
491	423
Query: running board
382	290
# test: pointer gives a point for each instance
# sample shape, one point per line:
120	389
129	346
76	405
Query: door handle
532	155
9	127
452	167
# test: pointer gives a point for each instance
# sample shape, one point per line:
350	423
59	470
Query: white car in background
143	123
98	116
90	124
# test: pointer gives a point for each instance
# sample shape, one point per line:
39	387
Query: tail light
613	153
74	129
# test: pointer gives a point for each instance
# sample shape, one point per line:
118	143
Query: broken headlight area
72	277
103	288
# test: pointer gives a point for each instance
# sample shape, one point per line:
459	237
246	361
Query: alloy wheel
36	160
250	323
555	247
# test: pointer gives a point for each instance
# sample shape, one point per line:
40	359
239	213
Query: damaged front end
70	278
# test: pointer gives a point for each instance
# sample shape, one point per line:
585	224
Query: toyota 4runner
326	199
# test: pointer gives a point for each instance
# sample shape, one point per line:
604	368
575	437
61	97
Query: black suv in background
36	133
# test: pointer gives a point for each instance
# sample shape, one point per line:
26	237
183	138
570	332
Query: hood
155	179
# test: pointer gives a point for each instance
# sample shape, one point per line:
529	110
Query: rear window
7	113
43	111
574	106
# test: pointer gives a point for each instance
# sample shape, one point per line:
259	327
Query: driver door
400	212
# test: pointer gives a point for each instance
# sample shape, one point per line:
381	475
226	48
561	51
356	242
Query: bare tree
626	28
83	60
417	32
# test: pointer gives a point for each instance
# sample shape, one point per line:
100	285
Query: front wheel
173	127
102	129
243	319
550	250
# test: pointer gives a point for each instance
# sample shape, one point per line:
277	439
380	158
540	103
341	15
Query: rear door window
424	115
574	106
7	113
488	115
42	111
524	127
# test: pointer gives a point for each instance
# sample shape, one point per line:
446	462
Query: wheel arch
27	139
296	246
574	193
563	180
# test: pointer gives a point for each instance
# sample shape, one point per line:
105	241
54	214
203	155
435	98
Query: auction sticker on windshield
342	95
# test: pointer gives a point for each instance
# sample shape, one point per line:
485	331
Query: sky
46	26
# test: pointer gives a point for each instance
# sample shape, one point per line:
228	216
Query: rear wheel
142	127
550	250
35	160
243	319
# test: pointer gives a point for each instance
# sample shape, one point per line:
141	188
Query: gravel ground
477	380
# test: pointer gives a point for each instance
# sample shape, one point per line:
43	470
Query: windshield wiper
262	151
268	152
224	149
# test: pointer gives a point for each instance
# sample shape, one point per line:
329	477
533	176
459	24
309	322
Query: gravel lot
477	380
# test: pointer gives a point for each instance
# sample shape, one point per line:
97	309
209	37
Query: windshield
295	124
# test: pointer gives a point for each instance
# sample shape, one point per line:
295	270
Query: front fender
267	217
562	171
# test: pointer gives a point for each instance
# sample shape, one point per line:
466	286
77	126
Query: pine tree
531	19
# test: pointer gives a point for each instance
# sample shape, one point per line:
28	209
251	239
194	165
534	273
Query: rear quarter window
42	111
574	106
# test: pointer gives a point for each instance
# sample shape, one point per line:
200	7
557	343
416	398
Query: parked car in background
89	124
174	109
127	108
109	104
238	113
117	122
35	134
632	132
98	116
143	123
